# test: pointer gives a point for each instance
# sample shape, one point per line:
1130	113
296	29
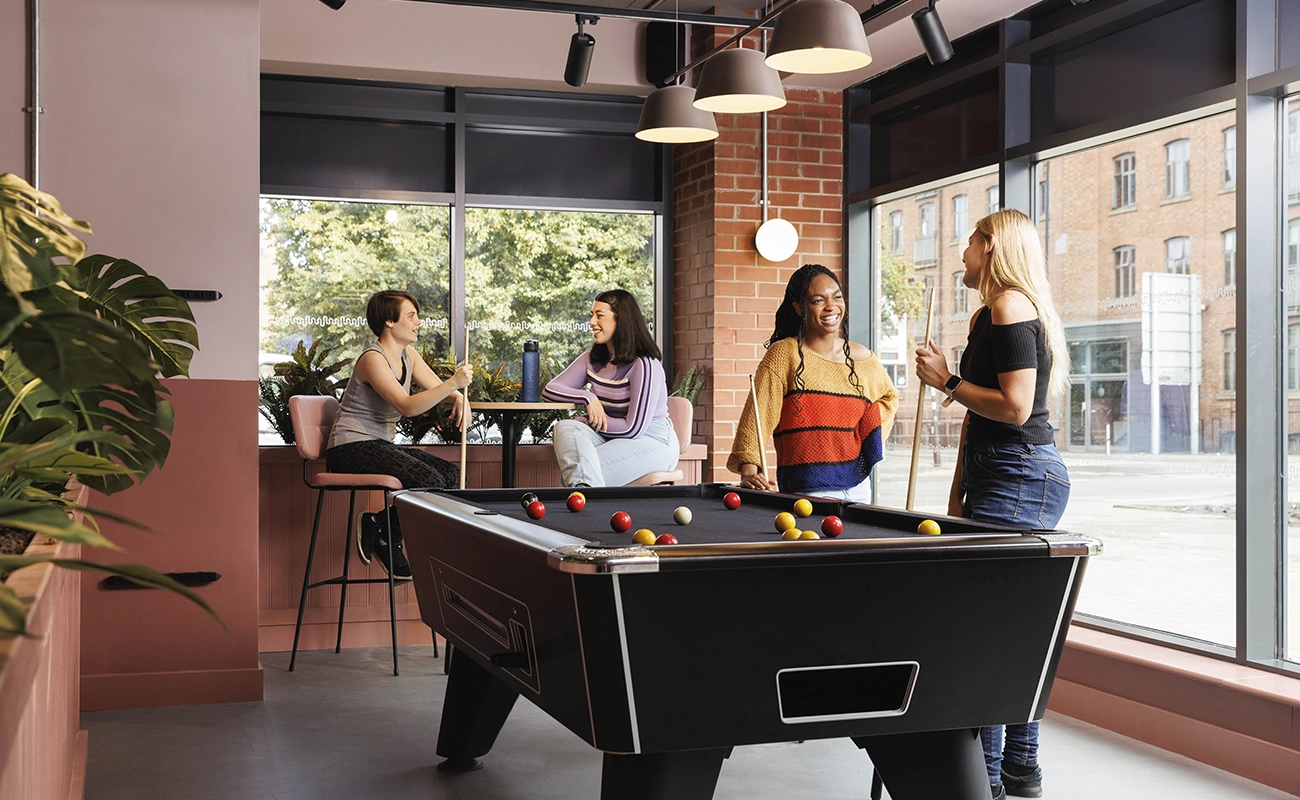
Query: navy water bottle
532	389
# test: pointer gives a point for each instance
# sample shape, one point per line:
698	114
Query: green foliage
82	341
306	374
900	296
689	384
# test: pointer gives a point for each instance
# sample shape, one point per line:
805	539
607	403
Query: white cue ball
682	515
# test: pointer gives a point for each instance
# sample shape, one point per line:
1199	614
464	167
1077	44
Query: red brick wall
724	294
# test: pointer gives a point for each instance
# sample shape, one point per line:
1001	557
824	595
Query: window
927	219
1230	360
923	250
1124	271
1178	255
1230	257
1230	157
1178	168
960	218
959	292
1124	187
1293	357
1293	157
1293	266
1042	199
995	199
957	353
896	232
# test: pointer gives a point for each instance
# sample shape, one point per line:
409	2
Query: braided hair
790	324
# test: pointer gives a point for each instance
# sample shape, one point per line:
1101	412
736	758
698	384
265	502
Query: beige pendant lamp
737	81
669	116
818	37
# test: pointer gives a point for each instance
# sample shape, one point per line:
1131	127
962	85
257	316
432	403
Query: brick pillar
724	294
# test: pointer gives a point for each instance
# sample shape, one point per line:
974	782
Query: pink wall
13	88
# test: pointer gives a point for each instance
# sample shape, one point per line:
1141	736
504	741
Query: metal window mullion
459	304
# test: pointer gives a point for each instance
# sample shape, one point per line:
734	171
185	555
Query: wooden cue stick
920	408
464	415
758	428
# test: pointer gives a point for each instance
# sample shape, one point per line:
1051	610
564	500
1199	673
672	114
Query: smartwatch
950	387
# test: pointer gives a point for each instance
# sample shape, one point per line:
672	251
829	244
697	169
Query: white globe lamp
776	240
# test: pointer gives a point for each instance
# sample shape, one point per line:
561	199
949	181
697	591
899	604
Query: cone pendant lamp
737	81
669	116
818	37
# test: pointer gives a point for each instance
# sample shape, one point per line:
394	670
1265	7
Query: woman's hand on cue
931	366
457	407
462	377
751	478
596	417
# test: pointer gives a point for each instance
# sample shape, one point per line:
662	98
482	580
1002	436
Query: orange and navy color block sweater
828	435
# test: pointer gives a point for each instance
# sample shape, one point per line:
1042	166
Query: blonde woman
1008	471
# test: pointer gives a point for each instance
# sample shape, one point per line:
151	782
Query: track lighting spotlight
930	29
581	48
334	4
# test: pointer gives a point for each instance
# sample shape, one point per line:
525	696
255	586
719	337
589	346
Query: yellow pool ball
790	535
784	522
809	535
644	536
928	527
803	508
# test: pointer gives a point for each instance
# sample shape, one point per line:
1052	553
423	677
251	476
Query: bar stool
313	417
682	415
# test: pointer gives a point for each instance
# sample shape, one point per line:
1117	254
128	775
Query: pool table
667	657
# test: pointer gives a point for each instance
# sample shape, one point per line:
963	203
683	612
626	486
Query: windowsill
1226	395
1182	198
1230	189
1124	210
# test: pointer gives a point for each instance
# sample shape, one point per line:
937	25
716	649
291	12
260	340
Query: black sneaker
1029	783
999	791
401	567
367	535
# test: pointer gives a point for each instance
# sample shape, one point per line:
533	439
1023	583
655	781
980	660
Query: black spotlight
930	29
334	4
580	49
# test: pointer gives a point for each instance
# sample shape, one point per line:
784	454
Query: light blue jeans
854	494
588	457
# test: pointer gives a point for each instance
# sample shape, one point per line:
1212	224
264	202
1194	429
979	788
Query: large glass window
1148	427
1290	206
1293	155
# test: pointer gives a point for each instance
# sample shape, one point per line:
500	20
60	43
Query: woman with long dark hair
827	402
626	432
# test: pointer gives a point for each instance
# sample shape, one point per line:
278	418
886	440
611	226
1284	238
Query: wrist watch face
953	383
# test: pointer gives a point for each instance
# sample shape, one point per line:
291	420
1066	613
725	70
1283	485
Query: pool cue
920	408
464	415
758	428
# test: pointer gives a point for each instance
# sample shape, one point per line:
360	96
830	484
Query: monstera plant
83	343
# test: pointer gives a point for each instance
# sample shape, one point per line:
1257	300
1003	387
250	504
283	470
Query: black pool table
667	657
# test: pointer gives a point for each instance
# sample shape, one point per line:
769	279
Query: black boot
1022	781
401	567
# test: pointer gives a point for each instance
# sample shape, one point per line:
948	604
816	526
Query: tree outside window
1124	271
1178	255
1178	168
1124	184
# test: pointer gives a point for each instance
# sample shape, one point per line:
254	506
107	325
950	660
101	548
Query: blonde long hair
1017	263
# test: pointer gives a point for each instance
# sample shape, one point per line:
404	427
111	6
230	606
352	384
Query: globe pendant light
818	37
776	240
669	116
737	81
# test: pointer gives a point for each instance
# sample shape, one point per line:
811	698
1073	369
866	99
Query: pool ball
790	534
682	515
527	499
929	527
784	522
832	526
731	500
644	536
803	508
621	522
576	502
666	538
536	510
809	535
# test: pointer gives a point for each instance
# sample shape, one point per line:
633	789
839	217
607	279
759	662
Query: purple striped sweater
631	394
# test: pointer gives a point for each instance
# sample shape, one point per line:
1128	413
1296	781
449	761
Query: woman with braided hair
827	402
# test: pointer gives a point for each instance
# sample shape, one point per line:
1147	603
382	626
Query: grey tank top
363	414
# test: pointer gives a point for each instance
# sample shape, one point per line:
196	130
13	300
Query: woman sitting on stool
378	393
627	432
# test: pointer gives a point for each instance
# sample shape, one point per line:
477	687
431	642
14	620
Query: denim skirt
1014	484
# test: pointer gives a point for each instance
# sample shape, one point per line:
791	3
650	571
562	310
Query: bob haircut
631	339
386	306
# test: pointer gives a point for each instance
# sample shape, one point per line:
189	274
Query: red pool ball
621	522
536	510
576	502
832	526
731	500
666	538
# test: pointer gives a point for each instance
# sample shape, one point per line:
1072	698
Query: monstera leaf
121	293
36	234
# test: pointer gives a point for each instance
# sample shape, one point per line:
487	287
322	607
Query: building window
1178	168
995	199
1230	360
1230	257
896	232
1293	157
1293	266
1042	199
1230	157
957	353
1178	255
1124	187
1293	357
960	218
1124	271
959	292
923	251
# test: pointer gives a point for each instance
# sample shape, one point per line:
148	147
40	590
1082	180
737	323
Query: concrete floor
341	726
